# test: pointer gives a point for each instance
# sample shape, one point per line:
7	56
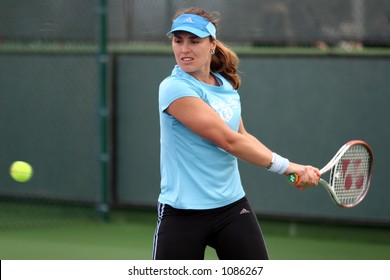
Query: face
193	54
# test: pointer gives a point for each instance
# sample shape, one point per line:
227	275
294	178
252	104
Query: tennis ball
21	171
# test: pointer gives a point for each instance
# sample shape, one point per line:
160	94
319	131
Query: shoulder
180	82
179	78
175	87
174	81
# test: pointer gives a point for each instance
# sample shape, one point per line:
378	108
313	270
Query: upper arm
200	118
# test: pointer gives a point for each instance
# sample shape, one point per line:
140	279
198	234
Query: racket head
350	175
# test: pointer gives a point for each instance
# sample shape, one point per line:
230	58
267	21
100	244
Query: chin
187	68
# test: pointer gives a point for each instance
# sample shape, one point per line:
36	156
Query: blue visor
194	24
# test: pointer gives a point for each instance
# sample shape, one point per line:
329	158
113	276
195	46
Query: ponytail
225	61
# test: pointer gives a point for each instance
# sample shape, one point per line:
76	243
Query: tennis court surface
129	235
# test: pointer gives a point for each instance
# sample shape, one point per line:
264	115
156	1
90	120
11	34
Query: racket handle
292	178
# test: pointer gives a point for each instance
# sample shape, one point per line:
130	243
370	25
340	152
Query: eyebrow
191	36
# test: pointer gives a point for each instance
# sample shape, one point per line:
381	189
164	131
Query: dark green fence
49	110
281	22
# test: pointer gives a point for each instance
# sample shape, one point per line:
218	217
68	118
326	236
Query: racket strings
350	178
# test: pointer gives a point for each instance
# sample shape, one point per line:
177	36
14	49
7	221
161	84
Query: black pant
232	230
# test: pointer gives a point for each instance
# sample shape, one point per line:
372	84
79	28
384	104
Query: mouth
187	59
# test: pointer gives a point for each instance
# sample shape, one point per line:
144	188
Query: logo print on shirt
226	114
224	109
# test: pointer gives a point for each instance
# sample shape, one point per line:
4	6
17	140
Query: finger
299	187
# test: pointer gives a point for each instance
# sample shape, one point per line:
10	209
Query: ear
213	45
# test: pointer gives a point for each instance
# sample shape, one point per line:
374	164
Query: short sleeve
174	88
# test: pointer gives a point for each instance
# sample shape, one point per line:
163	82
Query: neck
206	78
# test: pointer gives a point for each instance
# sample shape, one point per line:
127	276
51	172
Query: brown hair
224	61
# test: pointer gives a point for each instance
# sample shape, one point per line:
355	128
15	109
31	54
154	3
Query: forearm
261	156
250	149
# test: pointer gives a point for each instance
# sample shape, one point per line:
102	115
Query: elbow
229	142
230	147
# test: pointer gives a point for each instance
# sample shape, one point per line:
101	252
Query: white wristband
279	164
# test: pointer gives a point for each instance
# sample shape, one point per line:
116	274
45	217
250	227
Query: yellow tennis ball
21	171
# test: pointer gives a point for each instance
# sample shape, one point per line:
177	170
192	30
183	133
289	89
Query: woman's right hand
307	175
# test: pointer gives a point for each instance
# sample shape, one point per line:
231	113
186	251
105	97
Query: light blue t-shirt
195	173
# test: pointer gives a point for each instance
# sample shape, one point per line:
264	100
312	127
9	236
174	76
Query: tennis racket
350	174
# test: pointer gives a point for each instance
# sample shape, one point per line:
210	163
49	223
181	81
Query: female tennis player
202	201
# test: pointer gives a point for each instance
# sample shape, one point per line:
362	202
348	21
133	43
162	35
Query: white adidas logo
244	211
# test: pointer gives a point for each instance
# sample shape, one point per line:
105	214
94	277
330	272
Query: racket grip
292	178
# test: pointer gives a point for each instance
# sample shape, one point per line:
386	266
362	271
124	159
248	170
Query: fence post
103	206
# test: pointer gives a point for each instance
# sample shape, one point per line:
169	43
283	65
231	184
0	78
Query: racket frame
331	165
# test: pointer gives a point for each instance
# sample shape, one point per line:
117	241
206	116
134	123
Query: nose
185	48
